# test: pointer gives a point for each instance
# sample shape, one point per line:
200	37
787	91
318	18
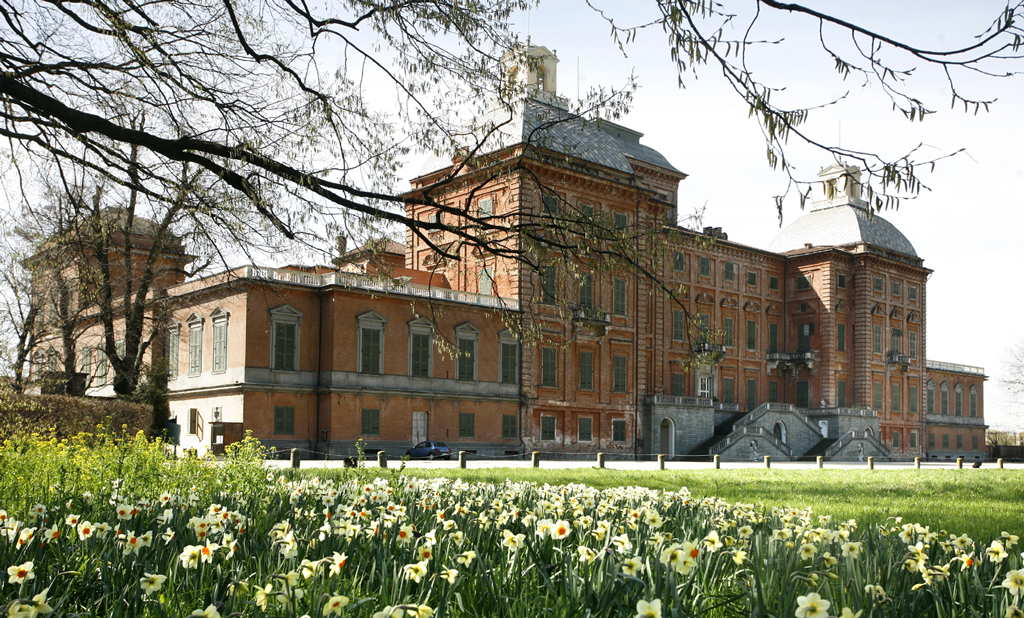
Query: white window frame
285	314
219	318
485	207
195	329
468	332
419	326
371	320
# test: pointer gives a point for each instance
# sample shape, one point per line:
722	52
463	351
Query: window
773	392
730	271
841	282
195	345
509	426
945	440
509	358
751	278
912	404
550	204
371	343
728	332
485	282
547	428
773	337
173	353
840	337
284	420
435	217
618	430
930	404
912	341
803	282
587	291
895	285
751	334
803	393
371	422
587	210
549	366
619	374
841	393
705	326
896	397
727	390
586	429
944	399
705	267
974	402
679	262
619	297
678	382
420	348
773	283
220	340
974	443
101	367
931	440
912	292
913	438
803	337
878	339
895	439
678	325
485	208
958	400
751	395
959	441
467	424
878	284
548	280
621	221
467	336
878	396
587	371
193	421
284	340
897	340
86	365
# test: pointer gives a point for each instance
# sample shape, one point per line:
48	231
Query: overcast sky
967	227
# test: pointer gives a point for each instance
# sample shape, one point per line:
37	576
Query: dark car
429	450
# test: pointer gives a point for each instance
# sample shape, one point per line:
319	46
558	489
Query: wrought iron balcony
593	315
893	357
707	351
790	360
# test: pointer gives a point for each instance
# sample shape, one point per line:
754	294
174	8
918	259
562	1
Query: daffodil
645	609
848	613
334	605
466	558
420	611
448	575
37	606
1014	582
807	551
389	612
152	583
20	574
712	542
852	549
632	566
415	571
262	595
812	606
190	556
739	557
996	552
209	612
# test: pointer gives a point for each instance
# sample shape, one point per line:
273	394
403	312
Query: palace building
815	345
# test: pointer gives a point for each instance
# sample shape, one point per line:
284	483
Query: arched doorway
869	431
668	437
823	428
780	431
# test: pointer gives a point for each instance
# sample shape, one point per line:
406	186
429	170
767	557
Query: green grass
981	503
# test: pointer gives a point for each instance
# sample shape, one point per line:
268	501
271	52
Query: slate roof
841	225
558	130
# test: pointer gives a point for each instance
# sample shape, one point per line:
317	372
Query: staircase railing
741	433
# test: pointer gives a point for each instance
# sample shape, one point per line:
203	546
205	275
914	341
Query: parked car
429	450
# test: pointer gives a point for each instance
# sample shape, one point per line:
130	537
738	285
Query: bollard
382	459
718	462
871	463
600	460
821	462
960	463
296	457
535	458
661	462
1000	462
767	461
917	463
462	459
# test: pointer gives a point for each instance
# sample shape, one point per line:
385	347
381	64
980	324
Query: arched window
958	400
542	78
974	401
930	387
944	398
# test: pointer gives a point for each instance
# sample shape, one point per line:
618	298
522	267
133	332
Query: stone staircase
817	449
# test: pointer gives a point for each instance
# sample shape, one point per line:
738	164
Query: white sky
966	227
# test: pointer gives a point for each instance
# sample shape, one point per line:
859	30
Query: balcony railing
791	357
674	400
387	286
591	314
946	419
893	357
842	412
954	367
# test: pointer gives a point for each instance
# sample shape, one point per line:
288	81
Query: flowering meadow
241	541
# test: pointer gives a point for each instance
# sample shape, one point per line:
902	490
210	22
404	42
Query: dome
838	226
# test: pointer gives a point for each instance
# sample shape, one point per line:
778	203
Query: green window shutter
547	428
220	346
896	439
773	337
727	390
371	422
945	402
467	360
587	291
679	261
751	335
945	440
678	325
931	401
549	367
803	282
485	282
912	396
548	280
705	267
974	443
878	339
730	271
619	300
931	440
509	426
751	395
841	281
912	341
803	394
485	207
621	221
958	403
551	204
974	404
619	374
284	347
586	425
173	352
878	396
728	332
586	370
841	393
773	283
751	278
370	351
677	384
913	439
896	393
284	420
195	350
467	425
618	431
773	392
841	337
959	441
509	363
420	355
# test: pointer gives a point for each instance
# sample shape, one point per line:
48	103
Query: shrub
68	416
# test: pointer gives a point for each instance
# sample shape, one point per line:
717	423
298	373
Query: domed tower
855	311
